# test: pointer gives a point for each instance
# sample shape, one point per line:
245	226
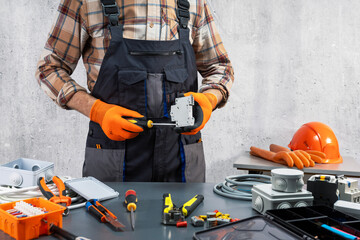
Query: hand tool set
173	215
285	205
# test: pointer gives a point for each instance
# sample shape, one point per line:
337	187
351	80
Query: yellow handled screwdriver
130	201
147	123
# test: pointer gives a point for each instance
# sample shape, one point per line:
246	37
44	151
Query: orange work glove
299	158
110	118
204	105
316	156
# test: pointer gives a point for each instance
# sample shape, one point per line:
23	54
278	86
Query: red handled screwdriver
130	201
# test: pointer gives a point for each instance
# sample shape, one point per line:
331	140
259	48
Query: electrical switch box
25	172
348	190
265	198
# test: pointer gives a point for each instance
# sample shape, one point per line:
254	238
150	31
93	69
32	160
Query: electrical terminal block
204	217
197	221
215	218
210	215
28	209
212	222
218	214
348	190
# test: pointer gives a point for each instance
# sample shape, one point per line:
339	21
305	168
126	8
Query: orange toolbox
32	226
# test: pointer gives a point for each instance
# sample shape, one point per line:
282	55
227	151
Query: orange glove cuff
206	102
212	99
98	111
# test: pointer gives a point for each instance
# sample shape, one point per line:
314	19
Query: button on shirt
80	30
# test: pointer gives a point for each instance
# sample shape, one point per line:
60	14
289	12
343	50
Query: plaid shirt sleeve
79	30
212	59
62	52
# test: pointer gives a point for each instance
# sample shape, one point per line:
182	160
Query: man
139	55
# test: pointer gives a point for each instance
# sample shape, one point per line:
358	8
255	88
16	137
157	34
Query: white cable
74	206
230	187
10	194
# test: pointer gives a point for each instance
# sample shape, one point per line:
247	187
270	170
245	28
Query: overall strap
183	13
111	11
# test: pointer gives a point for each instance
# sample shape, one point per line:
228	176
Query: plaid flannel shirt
80	29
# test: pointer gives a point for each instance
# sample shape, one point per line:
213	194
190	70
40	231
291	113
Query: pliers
61	199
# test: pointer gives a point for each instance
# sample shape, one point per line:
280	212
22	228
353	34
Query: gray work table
148	213
349	167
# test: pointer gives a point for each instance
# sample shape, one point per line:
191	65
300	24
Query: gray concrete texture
295	61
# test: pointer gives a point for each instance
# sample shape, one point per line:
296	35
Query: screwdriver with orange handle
102	214
130	202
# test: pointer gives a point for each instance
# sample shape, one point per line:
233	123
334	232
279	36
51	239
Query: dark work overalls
146	76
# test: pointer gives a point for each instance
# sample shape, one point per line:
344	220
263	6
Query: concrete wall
295	61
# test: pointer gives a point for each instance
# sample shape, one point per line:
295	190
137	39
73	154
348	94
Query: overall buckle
112	12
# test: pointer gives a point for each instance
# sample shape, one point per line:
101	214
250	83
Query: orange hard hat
319	137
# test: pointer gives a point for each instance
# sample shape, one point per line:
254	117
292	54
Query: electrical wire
10	194
239	186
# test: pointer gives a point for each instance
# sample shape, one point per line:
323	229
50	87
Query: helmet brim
334	160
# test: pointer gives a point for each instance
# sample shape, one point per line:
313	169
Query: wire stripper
176	216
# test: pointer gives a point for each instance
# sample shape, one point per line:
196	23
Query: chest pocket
151	94
175	84
131	89
175	80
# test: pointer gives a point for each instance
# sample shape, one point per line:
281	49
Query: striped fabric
80	30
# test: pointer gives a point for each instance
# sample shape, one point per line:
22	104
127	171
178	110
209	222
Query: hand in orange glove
316	156
289	158
204	105
110	118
